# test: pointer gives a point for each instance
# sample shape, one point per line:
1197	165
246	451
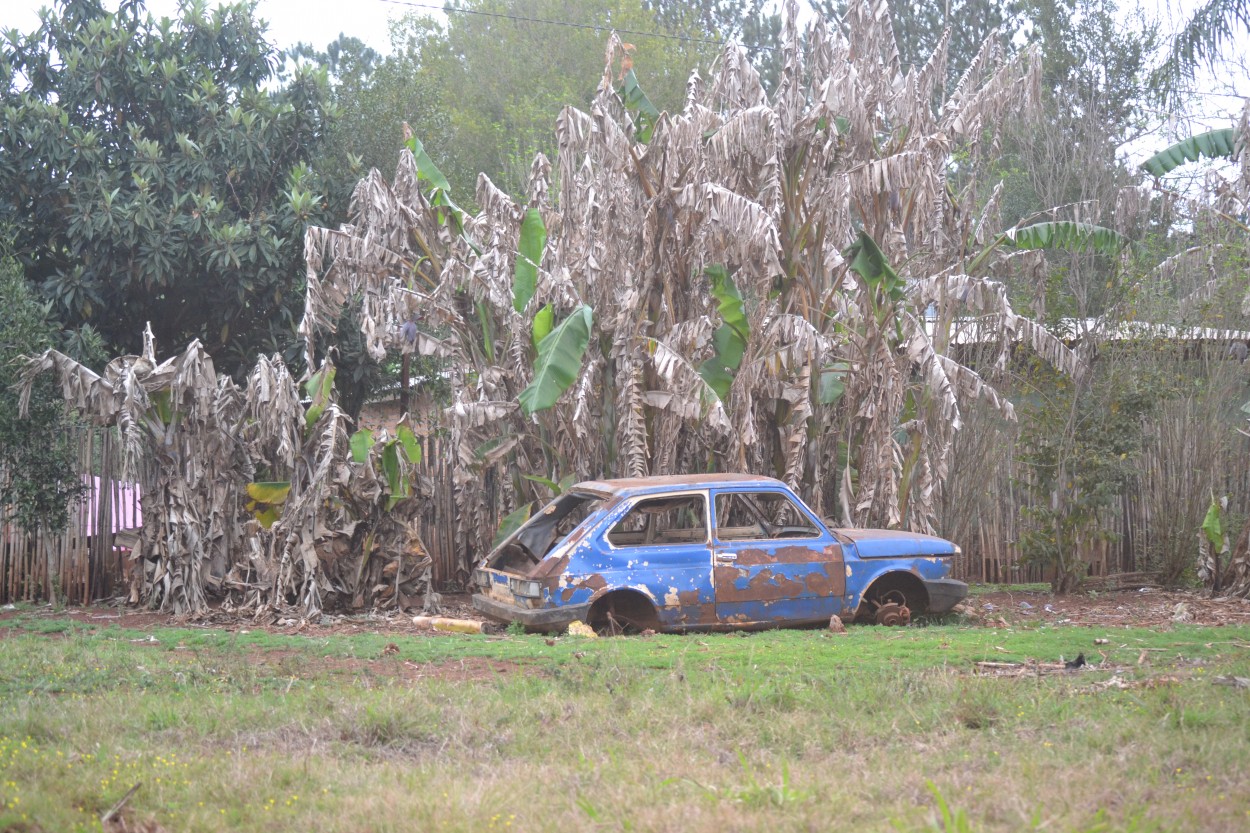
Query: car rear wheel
622	612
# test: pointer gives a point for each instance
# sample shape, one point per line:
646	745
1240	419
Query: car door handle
726	556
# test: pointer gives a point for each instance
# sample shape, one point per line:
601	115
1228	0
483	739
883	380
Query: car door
662	542
772	561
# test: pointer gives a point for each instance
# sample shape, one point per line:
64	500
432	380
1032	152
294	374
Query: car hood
895	543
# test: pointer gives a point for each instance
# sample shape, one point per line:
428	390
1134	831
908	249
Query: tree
501	70
39	478
755	24
156	171
375	95
956	29
1203	39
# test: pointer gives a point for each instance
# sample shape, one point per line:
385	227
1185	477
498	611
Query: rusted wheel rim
893	613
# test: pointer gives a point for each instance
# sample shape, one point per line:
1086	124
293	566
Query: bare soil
1147	607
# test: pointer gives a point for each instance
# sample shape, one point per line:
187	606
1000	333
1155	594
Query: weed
387	725
977	707
752	793
947	820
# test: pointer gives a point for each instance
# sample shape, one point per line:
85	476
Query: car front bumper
541	618
945	593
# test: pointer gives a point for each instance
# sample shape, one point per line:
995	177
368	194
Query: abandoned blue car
706	552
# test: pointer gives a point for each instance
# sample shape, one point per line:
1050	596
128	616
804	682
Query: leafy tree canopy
158	170
38	477
482	91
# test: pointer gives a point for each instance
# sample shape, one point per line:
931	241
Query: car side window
680	519
757	516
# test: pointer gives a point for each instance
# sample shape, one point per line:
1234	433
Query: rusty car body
706	552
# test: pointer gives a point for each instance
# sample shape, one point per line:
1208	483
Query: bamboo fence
80	563
986	511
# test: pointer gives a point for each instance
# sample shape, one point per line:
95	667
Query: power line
567	23
594	27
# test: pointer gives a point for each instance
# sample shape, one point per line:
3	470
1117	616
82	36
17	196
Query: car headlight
525	587
481	578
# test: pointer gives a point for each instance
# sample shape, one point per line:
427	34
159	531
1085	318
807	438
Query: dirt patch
390	666
98	615
468	669
1147	607
454	606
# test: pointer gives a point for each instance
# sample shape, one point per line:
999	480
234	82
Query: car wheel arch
622	608
888	587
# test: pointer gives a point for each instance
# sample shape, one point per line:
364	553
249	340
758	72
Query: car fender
637	588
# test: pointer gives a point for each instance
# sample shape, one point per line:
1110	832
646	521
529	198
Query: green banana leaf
511	523
426	168
1214	144
869	262
545	481
1213	525
832	383
1067	235
544	320
488	331
440	188
162	404
730	338
397	486
636	101
318	389
360	443
559	361
411	446
529	256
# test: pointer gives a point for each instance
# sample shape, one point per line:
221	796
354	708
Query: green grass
983	589
786	730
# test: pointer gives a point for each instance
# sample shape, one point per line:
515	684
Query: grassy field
879	729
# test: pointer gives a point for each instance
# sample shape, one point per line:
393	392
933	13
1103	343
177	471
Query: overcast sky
318	22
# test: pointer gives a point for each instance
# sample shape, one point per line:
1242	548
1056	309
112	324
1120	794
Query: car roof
629	486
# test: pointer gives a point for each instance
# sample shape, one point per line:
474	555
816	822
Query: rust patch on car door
794	582
763	585
790	554
828	580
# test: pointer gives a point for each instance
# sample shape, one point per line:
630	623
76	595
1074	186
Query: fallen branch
117	808
1009	669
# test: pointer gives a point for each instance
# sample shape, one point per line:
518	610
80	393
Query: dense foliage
678	281
157	171
39	480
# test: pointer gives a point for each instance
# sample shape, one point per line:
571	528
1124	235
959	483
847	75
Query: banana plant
394	454
731	337
1214	144
559	361
801	351
529	256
